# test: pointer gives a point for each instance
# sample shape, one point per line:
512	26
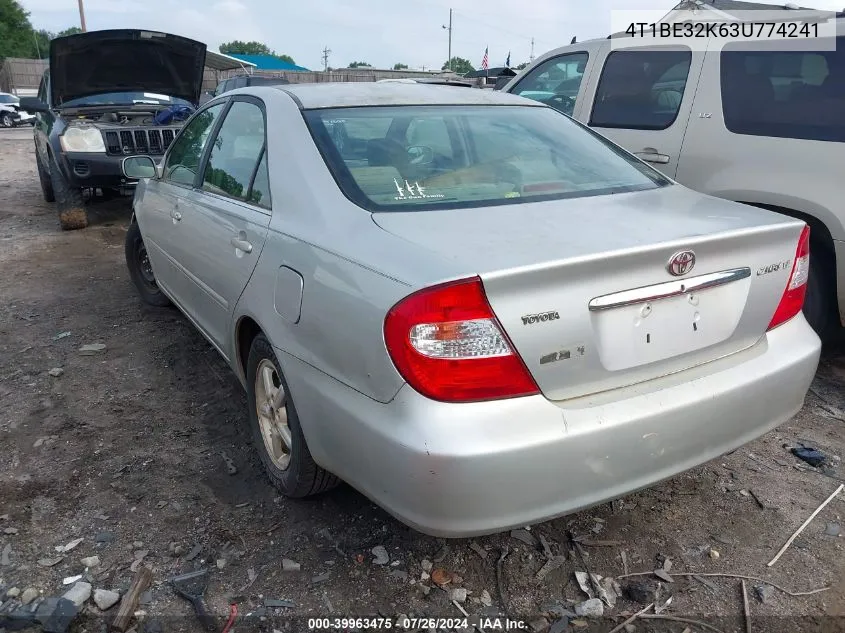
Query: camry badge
681	263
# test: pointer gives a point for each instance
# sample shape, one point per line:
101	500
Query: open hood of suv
125	60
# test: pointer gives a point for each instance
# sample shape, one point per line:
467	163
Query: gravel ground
125	450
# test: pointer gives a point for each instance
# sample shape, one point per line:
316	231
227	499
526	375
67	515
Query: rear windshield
428	157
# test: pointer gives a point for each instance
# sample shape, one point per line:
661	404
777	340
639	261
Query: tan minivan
762	124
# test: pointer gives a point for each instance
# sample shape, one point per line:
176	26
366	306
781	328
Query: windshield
428	157
9	99
125	98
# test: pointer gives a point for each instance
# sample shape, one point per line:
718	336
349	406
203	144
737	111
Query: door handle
241	245
651	155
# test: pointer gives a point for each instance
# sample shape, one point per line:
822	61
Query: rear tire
72	213
819	303
44	179
6	121
290	467
140	270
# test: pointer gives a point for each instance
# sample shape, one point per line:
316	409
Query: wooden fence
22	76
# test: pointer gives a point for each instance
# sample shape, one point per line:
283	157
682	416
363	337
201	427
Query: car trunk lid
583	290
125	60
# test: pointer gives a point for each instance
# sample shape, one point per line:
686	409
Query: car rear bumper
470	469
89	169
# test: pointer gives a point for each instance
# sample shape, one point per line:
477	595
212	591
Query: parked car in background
471	308
759	123
108	94
11	114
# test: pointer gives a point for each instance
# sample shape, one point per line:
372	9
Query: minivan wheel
818	302
276	432
140	270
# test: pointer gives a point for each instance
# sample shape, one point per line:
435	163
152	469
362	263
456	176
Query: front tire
140	270
6	121
276	431
44	179
72	213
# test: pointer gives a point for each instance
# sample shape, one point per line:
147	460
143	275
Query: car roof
357	94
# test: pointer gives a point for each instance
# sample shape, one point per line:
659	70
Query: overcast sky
380	32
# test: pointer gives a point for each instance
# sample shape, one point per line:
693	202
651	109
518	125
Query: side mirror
420	155
137	167
33	104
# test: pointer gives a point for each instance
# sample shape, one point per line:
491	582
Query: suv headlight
82	139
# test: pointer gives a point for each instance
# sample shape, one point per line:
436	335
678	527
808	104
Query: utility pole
532	50
449	28
82	16
326	52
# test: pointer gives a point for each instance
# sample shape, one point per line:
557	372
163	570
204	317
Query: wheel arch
246	329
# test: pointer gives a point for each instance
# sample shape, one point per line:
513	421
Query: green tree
74	30
41	44
245	48
16	34
400	66
459	65
286	58
359	65
521	66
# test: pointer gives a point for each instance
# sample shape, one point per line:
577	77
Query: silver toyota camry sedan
468	306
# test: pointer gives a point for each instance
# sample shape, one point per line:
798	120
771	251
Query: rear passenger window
784	94
641	89
236	151
555	82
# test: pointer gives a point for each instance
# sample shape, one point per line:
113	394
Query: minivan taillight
447	343
793	297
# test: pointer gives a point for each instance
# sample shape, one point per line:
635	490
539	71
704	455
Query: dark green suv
108	95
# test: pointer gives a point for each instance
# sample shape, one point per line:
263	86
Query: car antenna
574	38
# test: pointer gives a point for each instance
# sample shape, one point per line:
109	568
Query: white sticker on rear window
413	191
152	95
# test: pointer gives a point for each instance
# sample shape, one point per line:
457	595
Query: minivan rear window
428	157
783	93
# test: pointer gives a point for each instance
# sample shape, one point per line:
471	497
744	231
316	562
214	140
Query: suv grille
139	141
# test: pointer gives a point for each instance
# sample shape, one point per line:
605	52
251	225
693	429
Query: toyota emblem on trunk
681	263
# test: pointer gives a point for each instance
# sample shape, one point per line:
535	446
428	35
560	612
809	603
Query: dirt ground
125	450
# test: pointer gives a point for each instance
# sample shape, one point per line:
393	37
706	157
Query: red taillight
796	288
448	345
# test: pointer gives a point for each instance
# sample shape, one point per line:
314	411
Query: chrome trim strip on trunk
667	290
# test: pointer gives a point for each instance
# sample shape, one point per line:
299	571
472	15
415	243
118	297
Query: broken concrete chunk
79	593
105	599
29	595
91	349
290	565
91	561
381	555
458	594
592	608
764	593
